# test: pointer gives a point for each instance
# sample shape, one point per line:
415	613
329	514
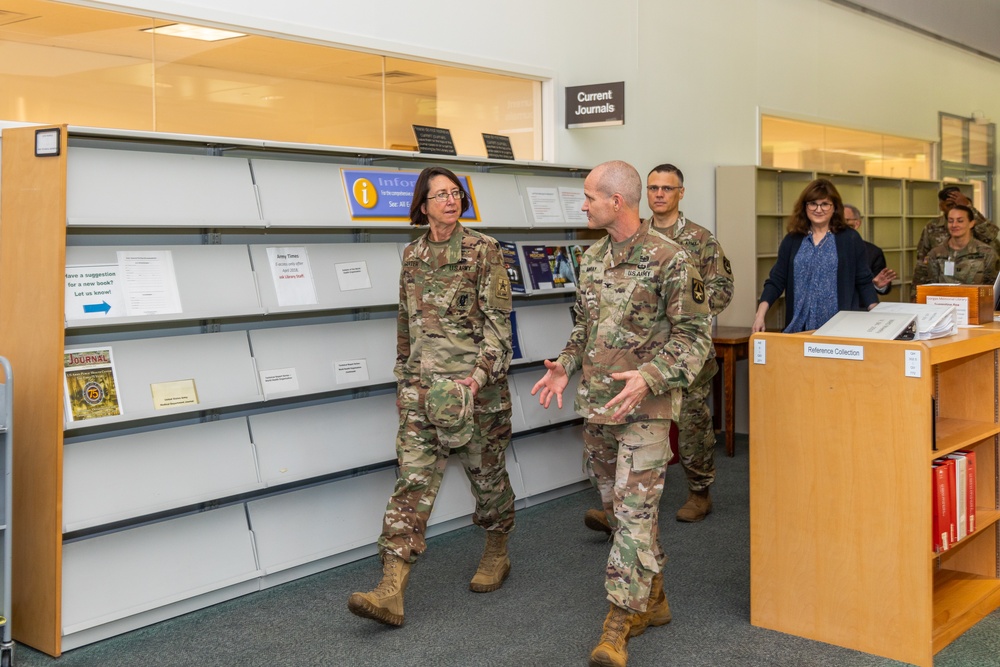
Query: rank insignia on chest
727	266
463	300
697	290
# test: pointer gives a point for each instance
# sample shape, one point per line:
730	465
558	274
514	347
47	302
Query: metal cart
6	470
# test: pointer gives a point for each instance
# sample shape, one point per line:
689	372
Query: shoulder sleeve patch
697	290
498	291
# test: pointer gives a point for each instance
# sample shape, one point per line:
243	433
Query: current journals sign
595	105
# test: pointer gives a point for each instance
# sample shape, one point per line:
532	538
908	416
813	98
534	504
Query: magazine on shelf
90	383
515	342
539	270
512	261
933	320
878	326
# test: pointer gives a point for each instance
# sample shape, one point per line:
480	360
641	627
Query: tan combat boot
597	520
612	650
657	609
698	505
385	603
494	566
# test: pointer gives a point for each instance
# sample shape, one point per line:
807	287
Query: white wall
696	71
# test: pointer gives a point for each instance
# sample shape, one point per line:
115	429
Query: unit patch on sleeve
697	290
727	266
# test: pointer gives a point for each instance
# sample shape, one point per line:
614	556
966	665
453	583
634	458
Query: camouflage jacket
454	320
708	256
936	233
645	309
975	264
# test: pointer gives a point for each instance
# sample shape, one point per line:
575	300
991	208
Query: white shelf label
912	365
834	351
759	351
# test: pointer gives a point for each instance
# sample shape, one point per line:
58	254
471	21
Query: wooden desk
731	345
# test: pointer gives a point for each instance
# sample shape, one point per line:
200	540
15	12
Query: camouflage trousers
422	459
627	462
696	435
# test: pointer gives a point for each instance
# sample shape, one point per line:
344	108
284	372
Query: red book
949	466
939	494
961	494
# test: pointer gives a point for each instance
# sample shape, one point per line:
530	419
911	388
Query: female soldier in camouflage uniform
453	349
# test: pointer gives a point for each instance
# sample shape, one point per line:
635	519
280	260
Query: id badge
949	267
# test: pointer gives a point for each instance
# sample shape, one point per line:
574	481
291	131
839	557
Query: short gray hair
857	211
622	178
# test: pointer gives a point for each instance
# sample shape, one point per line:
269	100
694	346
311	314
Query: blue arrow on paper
97	307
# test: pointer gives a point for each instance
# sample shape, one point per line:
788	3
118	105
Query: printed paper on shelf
292	276
90	383
353	275
150	282
572	205
94	291
545	206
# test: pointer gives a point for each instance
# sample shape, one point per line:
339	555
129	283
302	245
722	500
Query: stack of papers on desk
879	326
933	321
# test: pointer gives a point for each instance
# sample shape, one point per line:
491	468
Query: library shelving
753	204
254	441
840	489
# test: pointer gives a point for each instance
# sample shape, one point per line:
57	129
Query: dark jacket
876	260
855	290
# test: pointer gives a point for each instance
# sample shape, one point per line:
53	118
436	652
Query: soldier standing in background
961	259
642	333
936	231
453	350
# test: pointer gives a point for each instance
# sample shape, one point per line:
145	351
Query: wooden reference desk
730	346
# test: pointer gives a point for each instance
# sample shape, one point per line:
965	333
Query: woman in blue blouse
821	267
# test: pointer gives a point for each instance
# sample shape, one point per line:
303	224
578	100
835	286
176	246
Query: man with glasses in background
876	258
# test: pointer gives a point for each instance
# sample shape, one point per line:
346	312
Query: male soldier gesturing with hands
642	334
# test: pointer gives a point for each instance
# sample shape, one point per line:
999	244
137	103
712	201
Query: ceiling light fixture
189	31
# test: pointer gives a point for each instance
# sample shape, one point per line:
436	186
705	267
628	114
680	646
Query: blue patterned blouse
815	268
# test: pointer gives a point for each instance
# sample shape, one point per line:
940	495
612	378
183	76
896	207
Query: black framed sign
435	140
595	105
498	147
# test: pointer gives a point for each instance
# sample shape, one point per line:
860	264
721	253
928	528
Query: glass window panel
979	144
952	139
67	64
791	144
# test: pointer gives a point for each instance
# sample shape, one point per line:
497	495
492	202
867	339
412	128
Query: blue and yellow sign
386	195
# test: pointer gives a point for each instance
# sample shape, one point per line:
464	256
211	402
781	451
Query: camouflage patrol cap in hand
449	408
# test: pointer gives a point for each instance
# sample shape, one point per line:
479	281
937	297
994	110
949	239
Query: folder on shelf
878	326
933	320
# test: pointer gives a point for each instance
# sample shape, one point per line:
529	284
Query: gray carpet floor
548	614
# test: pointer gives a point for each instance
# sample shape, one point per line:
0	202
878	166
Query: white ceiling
973	25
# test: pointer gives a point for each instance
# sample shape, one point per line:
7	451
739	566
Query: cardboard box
980	298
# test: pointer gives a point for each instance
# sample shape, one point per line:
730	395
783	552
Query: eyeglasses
442	197
667	189
819	205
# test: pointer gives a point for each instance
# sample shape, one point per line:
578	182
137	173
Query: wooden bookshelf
840	491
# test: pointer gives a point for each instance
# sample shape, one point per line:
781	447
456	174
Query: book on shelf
961	484
549	267
878	326
512	262
940	521
970	488
515	341
933	320
90	384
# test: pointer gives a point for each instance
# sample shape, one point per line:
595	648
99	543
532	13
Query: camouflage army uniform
454	305
644	308
936	233
696	436
975	264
